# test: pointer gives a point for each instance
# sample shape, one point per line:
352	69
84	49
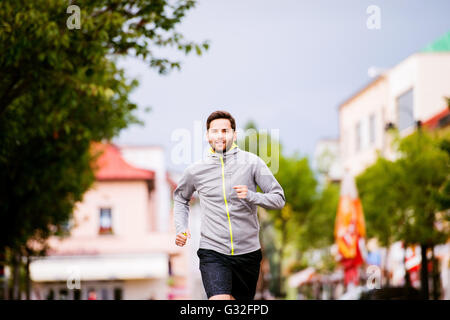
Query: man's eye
226	131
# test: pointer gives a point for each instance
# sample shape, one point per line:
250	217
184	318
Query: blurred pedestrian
92	295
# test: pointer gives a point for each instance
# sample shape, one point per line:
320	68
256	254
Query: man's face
220	135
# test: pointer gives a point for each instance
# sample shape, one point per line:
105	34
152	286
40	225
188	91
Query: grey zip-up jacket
229	225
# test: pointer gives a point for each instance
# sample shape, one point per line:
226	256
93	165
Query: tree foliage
60	90
404	199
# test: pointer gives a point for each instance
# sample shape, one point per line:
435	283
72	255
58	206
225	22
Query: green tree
313	238
443	195
297	179
426	171
262	144
318	229
299	184
307	220
60	90
401	198
382	194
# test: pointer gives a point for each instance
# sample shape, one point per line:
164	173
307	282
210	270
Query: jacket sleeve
181	197
273	196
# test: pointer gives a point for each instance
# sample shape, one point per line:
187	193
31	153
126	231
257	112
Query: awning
103	267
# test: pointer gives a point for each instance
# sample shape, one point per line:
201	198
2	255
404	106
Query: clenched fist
241	191
182	238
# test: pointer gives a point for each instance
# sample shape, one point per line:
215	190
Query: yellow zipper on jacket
226	206
225	198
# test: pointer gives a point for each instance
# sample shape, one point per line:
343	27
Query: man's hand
182	238
241	191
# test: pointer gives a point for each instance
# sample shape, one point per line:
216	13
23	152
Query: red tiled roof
111	166
433	122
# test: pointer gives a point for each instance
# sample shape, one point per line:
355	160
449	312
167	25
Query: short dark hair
220	115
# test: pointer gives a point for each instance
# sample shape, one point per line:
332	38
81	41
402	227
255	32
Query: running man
230	251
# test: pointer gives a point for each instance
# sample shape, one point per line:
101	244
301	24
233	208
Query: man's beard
225	148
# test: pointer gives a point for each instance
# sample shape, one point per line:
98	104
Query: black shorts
230	274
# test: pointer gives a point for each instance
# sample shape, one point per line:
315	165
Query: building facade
121	244
412	93
414	90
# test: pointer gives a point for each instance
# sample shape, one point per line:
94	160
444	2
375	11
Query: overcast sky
284	64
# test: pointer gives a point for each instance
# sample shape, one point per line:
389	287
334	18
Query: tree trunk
27	276
280	268
16	275
407	275
280	262
385	269
262	274
424	272
4	286
8	289
407	279
436	281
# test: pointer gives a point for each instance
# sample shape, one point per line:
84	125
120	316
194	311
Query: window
405	110
358	137
105	221
67	226
372	129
